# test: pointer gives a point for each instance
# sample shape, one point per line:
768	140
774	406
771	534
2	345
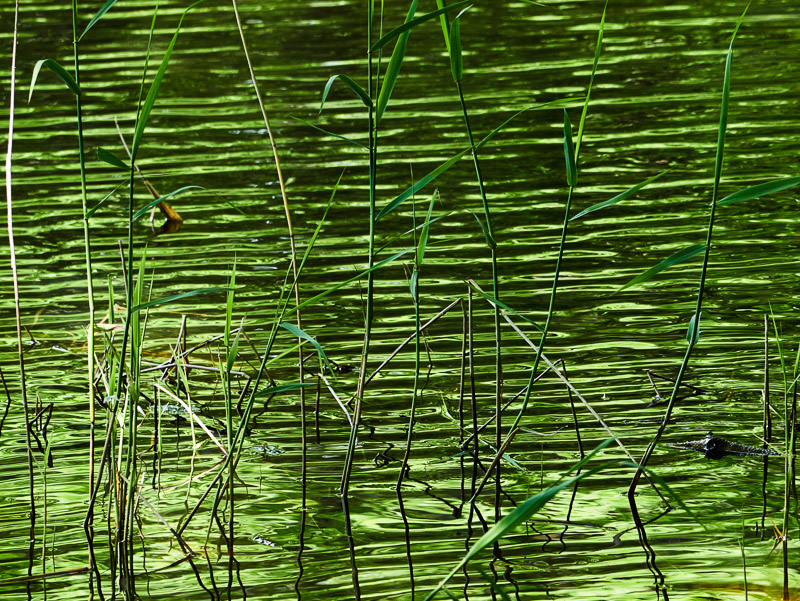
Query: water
654	107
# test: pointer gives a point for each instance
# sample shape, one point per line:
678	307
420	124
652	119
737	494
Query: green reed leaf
597	51
674	259
421	183
105	8
93	210
153	203
176	297
305	336
394	33
776	185
393	70
456	57
569	152
152	93
357	89
60	72
423	237
693	331
112	159
618	198
502	126
521	514
330	133
229	306
405	195
505	307
723	113
490	241
355	278
233	351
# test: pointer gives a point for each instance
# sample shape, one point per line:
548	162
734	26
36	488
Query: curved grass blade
359	91
93	210
520	514
693	331
760	190
176	297
421	183
330	133
504	306
619	197
60	72
355	278
674	259
535	3
105	8
423	237
569	153
490	242
723	113
152	93
282	388
502	126
413	23
298	333
456	56
160	199
393	70
597	51
112	159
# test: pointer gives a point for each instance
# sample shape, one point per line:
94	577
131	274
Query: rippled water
654	106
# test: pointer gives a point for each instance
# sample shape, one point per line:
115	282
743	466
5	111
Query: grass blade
504	306
674	259
456	58
105	8
110	158
693	331
453	160
355	278
569	153
760	190
423	237
160	199
421	183
520	514
394	33
618	198
597	51
330	133
60	72
723	113
393	70
93	210
176	297
490	241
229	306
152	93
298	333
359	91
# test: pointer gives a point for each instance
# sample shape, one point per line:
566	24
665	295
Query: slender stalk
14	274
694	332
87	247
369	313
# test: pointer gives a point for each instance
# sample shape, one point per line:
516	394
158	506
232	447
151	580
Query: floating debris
714	447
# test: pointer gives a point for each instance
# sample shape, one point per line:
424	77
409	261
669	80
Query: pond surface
654	107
